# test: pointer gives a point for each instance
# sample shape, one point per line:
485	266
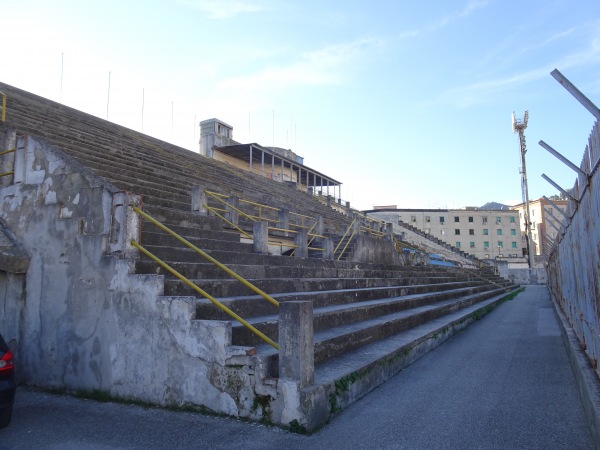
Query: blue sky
407	103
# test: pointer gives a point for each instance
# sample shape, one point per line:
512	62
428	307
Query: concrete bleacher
370	319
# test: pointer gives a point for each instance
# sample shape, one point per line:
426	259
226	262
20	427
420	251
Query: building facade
546	220
486	234
279	164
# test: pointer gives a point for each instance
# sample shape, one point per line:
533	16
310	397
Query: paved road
504	383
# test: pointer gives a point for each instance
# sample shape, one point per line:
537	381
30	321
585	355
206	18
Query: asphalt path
503	383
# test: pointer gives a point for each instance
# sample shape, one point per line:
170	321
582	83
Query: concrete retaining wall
80	320
574	263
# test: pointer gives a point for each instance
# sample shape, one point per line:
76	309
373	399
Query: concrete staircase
370	320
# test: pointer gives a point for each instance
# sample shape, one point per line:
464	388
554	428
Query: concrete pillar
388	233
260	233
301	241
199	200
125	224
284	219
328	248
356	225
232	215
319	227
296	348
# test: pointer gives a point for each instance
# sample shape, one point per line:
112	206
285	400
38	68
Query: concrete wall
574	263
524	275
369	249
63	219
80	319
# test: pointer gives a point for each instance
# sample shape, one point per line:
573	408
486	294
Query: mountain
494	206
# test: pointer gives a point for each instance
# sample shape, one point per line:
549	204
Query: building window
427	219
500	244
533	212
513	232
471	219
441	219
498	220
456	219
457	244
486	244
471	244
486	256
485	231
413	218
514	245
471	232
499	231
484	220
512	220
457	231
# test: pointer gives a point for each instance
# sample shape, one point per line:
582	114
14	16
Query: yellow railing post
3	106
206	256
205	294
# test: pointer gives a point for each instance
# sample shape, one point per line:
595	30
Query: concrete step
324	269
339	344
342	380
212	243
255	308
227	288
342	326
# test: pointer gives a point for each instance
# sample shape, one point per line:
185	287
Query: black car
8	384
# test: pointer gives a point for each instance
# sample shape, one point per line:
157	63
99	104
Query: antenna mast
519	127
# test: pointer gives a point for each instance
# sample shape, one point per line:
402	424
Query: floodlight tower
519	126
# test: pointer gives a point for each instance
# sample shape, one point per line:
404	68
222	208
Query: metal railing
3	113
350	232
262	214
198	289
3	118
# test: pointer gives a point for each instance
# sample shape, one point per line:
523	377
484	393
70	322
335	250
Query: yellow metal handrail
346	246
205	294
12	150
207	257
239	211
3	114
7	173
378	234
260	210
216	213
344	236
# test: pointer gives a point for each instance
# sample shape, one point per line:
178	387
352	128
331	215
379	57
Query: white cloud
225	9
480	92
319	67
469	9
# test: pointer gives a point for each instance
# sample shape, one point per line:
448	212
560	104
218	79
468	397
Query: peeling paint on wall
574	264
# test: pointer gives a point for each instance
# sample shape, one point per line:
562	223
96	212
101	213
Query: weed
296	427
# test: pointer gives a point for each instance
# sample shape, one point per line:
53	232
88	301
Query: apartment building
486	234
545	222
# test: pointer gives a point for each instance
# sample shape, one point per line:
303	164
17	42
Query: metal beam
545	177
586	102
555	206
564	160
551	224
